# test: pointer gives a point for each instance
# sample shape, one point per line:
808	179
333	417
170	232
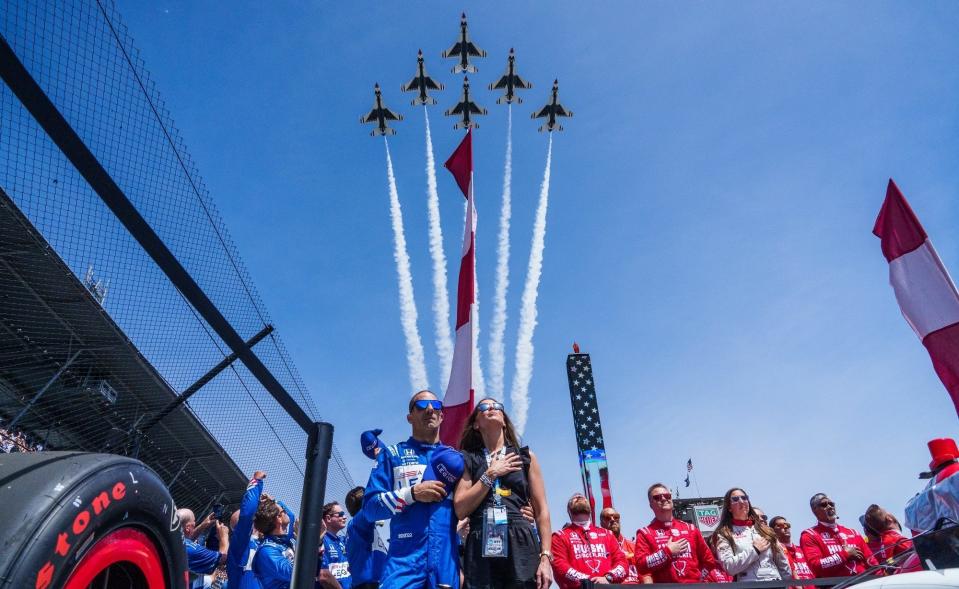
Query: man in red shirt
584	551
797	560
609	519
833	550
671	550
885	528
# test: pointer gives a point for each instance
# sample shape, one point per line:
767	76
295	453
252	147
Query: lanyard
496	496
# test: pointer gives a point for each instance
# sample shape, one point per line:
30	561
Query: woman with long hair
500	478
747	547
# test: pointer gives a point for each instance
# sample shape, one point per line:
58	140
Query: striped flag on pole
925	292
458	402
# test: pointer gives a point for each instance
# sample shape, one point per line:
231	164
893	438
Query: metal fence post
319	448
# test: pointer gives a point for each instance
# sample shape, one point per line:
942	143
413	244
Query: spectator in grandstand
423	541
334	545
499	478
884	532
201	560
671	550
609	519
797	560
747	548
273	561
364	547
244	540
6	441
833	550
582	551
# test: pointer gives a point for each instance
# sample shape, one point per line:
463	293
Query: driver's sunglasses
422	404
484	407
825	504
663	497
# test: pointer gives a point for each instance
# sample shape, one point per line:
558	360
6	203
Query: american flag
589	432
689	465
582	394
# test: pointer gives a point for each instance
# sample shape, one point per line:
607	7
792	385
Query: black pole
59	130
319	448
202	381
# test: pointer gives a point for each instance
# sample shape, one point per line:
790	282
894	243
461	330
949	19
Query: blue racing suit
239	558
273	562
423	540
364	549
200	559
334	559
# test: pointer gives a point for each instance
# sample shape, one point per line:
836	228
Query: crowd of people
14	440
477	517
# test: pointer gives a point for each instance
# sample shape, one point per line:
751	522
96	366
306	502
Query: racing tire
74	520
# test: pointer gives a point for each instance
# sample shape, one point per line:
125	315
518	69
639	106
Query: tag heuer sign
707	516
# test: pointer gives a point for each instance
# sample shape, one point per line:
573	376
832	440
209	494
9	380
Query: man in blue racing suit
243	541
423	542
273	561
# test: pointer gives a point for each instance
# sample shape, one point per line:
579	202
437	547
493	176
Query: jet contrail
497	353
519	396
408	317
441	301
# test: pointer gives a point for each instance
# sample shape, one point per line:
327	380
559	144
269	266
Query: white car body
941	579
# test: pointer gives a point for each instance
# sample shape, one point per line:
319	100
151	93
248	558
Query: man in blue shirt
364	547
273	561
423	540
243	539
334	545
201	560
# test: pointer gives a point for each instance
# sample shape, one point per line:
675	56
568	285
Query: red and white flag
925	292
458	402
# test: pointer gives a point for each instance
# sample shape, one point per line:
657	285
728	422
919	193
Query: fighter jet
510	82
463	49
466	108
379	115
552	110
421	83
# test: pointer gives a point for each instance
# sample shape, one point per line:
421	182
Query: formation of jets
462	50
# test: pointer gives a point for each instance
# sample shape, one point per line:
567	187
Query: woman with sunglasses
748	548
502	549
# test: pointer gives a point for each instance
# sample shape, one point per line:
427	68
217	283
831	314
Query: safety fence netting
96	309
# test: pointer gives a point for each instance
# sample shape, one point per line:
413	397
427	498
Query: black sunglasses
422	404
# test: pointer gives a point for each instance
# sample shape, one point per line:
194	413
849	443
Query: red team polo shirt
583	553
653	558
824	549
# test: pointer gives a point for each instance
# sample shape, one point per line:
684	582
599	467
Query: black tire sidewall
80	517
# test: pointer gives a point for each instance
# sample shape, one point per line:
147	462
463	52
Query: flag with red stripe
458	401
926	293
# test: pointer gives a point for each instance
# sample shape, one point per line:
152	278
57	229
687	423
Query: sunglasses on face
663	497
612	518
739	499
422	404
487	405
783	526
825	504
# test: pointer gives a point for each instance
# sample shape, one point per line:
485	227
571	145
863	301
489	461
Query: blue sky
708	239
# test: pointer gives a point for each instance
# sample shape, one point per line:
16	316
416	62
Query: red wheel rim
123	545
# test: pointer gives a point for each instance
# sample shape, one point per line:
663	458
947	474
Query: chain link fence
85	60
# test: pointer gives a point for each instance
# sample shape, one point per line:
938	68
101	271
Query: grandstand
87	315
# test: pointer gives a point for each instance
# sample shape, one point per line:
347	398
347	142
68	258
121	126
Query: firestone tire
68	516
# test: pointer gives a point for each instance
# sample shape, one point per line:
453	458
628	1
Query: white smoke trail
519	395
497	353
408	316
441	300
